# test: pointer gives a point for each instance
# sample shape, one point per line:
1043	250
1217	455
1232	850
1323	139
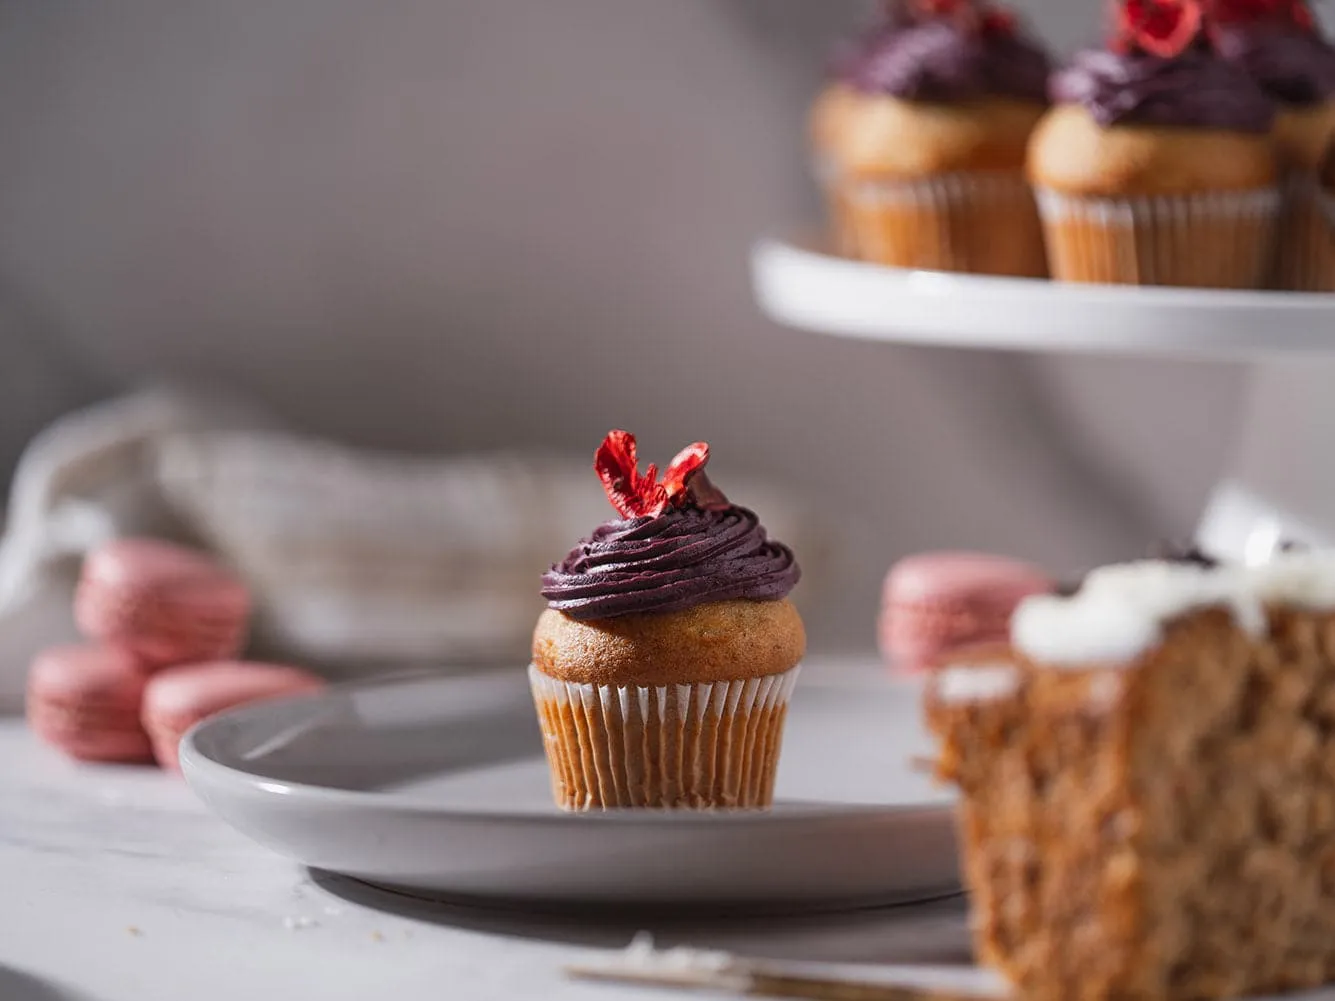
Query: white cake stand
1281	483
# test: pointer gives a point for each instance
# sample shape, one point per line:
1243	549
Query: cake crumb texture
1165	831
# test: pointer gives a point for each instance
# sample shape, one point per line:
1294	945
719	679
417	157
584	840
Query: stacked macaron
164	624
179	697
163	603
86	700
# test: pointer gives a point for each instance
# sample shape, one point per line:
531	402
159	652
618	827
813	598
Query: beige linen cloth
360	561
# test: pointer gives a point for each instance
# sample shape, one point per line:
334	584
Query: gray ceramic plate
436	786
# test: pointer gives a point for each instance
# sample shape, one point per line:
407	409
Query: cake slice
1148	783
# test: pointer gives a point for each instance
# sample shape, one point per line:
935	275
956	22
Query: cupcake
826	125
929	148
1277	44
663	665
1156	166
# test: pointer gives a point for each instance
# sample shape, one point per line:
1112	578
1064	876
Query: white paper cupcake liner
1209	240
696	746
983	222
1305	259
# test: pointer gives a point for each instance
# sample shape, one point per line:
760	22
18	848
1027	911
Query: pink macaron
179	697
934	604
166	603
86	701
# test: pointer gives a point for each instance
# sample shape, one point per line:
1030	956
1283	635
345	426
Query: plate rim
199	768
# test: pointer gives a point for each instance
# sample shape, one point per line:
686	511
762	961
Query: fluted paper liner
1206	240
1305	260
984	222
695	746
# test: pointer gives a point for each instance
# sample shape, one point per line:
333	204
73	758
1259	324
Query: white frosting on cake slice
1120	611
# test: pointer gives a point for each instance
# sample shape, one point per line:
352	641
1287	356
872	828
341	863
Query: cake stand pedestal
1279	485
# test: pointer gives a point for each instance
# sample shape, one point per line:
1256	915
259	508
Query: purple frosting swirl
1195	89
675	561
939	60
1290	64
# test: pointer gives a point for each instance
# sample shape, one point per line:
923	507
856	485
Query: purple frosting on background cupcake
1195	89
940	60
1290	63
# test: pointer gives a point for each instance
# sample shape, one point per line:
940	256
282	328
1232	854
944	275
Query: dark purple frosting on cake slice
942	60
1290	63
671	562
1195	89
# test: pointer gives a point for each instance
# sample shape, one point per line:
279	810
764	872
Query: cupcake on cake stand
1275	489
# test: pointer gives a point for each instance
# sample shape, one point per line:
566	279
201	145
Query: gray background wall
446	225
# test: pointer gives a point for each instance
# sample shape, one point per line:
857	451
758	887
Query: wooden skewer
773	985
714	972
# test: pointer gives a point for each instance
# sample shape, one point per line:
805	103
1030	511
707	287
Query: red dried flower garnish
688	461
636	496
686	481
1163	28
617	466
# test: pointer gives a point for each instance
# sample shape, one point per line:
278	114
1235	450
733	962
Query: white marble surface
117	885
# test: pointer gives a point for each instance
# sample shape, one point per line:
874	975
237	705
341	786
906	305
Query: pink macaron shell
179	697
936	602
933	574
166	603
913	636
86	700
919	628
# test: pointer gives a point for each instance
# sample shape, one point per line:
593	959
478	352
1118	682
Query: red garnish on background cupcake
637	495
969	14
944	8
998	21
1164	28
